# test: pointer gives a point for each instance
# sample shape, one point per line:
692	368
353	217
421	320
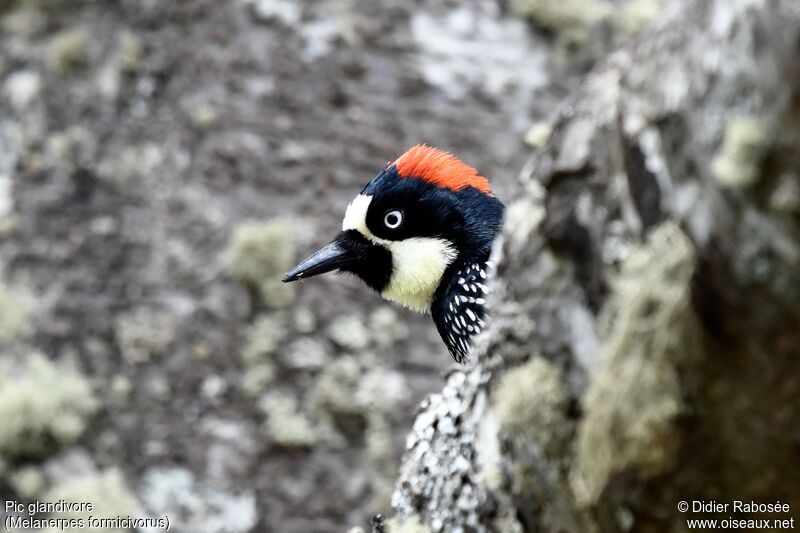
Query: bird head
415	225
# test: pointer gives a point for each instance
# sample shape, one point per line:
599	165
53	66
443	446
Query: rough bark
644	348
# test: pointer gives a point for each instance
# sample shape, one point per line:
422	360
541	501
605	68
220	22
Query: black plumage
459	307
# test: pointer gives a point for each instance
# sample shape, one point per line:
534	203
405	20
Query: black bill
338	255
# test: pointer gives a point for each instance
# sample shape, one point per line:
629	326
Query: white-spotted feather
463	309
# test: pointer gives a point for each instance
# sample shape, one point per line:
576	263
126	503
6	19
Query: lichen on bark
647	296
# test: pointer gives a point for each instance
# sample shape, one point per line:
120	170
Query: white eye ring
392	219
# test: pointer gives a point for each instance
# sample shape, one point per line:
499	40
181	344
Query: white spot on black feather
466	309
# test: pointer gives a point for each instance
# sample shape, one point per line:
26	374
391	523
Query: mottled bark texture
645	345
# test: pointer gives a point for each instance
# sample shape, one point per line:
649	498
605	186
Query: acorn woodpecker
420	233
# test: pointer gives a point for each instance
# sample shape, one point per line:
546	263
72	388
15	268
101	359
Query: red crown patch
440	168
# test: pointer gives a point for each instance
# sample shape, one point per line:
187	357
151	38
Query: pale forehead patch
356	215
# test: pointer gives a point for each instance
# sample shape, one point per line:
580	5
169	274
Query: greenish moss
334	391
305	353
649	333
43	405
204	117
131	50
70	149
9	224
785	197
287	426
304	320
106	491
382	459
256	378
568	19
27	481
127	166
634	15
349	332
264	337
352	400
26	21
538	134
17	304
143	333
261	252
531	403
523	216
410	524
69	51
743	149
121	388
387	327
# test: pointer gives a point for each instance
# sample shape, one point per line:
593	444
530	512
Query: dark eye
392	219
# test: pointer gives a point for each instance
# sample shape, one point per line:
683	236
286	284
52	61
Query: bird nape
420	233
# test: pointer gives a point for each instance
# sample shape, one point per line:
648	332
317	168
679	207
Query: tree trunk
645	342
